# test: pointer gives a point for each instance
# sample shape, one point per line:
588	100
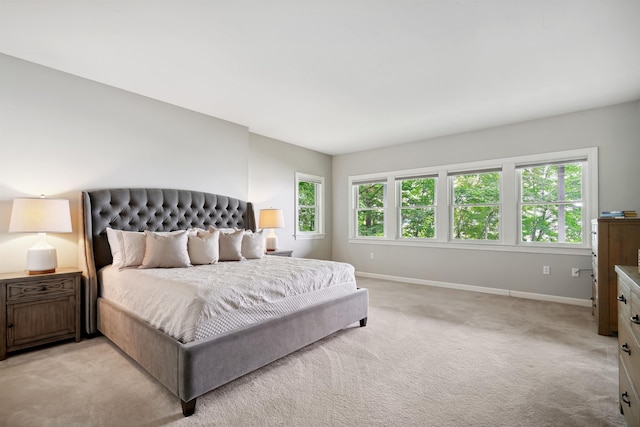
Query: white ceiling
339	76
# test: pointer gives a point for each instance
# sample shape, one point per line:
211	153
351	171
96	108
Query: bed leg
188	408
363	322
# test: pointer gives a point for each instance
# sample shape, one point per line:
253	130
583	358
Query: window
534	203
476	206
551	203
309	206
370	202
417	207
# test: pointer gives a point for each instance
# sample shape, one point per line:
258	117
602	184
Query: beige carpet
428	357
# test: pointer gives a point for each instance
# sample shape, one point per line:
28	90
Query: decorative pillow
225	230
166	250
253	245
127	247
204	247
231	246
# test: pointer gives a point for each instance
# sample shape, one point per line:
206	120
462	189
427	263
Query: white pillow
231	246
204	247
225	230
166	250
127	247
253	245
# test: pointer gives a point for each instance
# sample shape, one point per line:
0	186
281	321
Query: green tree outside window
476	206
418	207
370	204
551	203
307	207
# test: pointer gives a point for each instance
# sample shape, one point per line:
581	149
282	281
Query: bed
194	366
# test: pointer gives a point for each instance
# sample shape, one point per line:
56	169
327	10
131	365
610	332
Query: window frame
450	187
510	228
400	207
355	210
585	220
319	206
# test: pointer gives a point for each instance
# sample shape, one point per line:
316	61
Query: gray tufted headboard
155	209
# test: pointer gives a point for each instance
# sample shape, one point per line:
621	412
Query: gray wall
272	168
615	130
60	134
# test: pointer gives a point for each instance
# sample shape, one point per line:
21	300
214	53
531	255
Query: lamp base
34	272
271	242
42	258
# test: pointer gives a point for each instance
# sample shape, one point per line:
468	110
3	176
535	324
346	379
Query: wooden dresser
628	301
613	242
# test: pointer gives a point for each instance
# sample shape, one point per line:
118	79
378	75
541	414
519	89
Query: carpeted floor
428	357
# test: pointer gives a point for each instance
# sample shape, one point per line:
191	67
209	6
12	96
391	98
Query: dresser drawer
624	303
629	350
633	317
629	401
44	288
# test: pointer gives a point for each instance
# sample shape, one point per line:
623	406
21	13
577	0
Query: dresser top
23	274
630	271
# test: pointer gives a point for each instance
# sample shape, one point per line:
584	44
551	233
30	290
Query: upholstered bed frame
192	369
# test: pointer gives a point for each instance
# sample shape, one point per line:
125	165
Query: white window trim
509	223
389	213
451	207
399	207
320	215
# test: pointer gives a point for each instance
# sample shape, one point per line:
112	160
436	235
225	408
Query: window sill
308	236
582	250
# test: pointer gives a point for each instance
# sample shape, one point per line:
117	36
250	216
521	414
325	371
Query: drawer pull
635	319
10	325
625	347
625	398
621	298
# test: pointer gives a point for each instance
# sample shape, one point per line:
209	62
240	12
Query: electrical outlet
371	255
545	269
575	272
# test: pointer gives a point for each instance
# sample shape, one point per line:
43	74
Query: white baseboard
483	289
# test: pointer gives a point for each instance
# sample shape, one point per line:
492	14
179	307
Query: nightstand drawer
44	288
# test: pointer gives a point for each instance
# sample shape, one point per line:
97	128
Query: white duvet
197	302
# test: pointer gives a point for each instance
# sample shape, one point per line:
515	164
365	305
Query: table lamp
42	216
271	218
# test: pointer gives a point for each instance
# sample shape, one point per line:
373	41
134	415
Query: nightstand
280	253
39	309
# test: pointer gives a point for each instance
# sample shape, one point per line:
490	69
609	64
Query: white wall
60	134
272	167
615	130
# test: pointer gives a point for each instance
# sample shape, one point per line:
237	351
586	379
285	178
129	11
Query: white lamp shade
40	216
271	218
